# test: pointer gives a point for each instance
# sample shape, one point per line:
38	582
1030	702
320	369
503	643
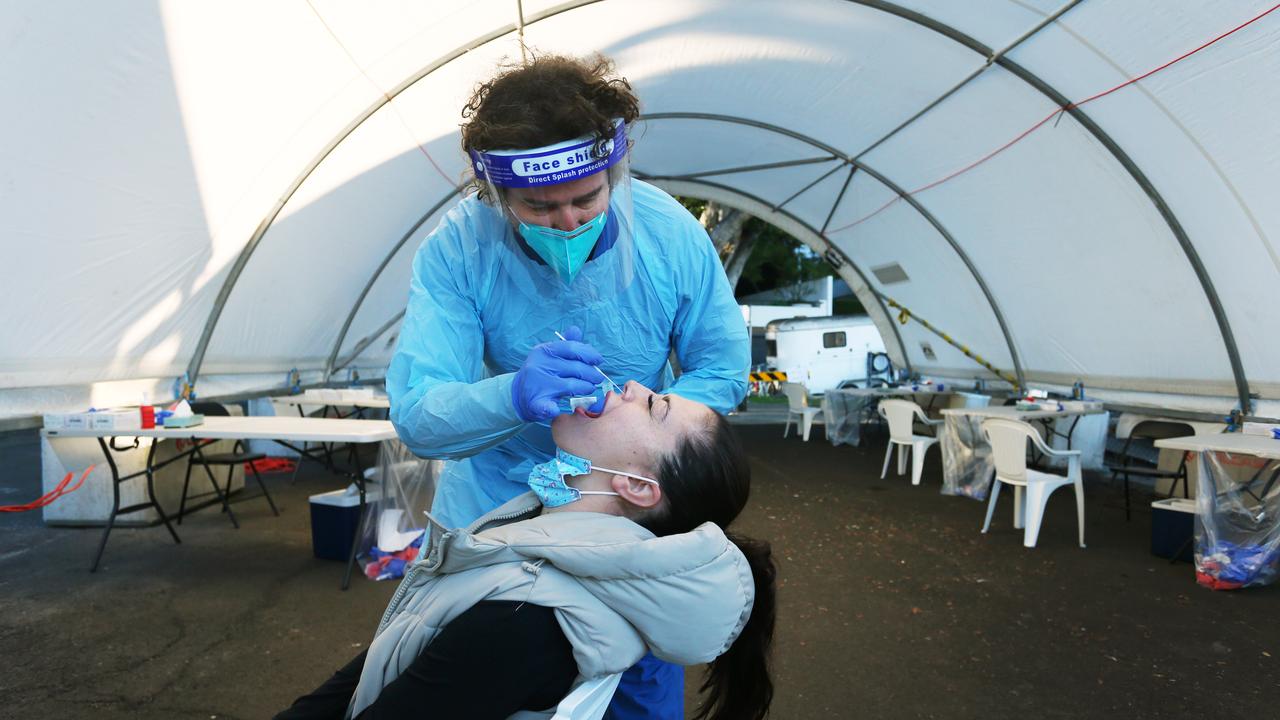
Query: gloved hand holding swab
597	367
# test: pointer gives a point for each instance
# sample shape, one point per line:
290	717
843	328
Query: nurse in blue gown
558	272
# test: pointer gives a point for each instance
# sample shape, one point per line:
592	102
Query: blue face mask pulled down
565	251
547	479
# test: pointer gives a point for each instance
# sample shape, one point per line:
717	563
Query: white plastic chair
901	415
1008	440
799	410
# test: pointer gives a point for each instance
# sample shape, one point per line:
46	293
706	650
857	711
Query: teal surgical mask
548	479
565	251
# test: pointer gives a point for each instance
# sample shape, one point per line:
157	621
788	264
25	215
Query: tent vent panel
890	274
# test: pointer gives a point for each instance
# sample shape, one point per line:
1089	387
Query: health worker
556	241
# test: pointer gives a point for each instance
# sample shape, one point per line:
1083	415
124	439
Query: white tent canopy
236	189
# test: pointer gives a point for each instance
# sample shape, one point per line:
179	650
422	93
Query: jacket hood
687	595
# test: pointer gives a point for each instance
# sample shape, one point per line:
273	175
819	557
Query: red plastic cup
148	417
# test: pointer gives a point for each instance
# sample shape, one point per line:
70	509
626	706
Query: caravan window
771	348
833	340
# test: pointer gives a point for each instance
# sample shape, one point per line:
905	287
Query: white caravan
822	352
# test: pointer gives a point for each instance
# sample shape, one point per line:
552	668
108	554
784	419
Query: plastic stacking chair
799	410
1008	440
1152	430
239	456
901	415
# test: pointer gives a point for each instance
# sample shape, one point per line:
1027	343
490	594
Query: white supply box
116	419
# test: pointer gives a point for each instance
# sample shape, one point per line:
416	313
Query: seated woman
619	550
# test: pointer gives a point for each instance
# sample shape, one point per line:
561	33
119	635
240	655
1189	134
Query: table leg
1072	430
355	541
328	447
116	510
151	491
115	504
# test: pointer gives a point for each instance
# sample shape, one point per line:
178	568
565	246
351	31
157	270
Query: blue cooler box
1172	525
335	516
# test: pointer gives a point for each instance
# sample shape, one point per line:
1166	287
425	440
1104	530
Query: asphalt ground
891	605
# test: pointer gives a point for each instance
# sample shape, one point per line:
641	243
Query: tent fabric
289	157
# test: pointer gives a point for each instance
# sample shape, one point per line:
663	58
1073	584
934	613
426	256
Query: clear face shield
568	212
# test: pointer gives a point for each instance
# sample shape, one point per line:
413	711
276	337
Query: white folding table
1259	446
844	408
329	404
282	429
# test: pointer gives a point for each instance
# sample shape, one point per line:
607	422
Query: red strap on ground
52	495
271	465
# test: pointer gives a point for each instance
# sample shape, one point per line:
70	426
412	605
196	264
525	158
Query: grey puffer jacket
617	589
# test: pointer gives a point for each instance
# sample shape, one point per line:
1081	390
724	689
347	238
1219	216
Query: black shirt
496	658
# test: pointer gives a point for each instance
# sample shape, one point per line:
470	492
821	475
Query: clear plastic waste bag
1237	535
400	489
844	414
967	465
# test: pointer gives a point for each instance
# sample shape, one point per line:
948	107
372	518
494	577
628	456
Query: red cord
271	465
52	495
1049	117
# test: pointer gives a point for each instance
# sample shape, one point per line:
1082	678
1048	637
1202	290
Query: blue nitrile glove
602	394
554	370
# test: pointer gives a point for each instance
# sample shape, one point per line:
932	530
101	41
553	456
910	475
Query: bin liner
967	465
393	524
1237	536
844	413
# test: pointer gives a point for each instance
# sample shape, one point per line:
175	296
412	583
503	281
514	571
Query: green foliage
778	260
693	205
848	305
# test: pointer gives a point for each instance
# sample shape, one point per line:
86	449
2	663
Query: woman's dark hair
548	100
706	479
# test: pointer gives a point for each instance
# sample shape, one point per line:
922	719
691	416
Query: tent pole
329	367
202	346
991	58
839	197
816	238
1193	258
368	340
747	168
900	192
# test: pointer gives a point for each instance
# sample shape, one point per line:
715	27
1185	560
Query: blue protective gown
472	318
467	330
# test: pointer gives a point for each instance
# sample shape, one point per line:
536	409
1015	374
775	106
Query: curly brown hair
550	99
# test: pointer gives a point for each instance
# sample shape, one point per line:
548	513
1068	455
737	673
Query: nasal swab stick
597	367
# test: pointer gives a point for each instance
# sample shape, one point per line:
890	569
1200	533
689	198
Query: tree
757	256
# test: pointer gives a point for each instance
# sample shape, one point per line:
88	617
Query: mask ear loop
616	472
642	478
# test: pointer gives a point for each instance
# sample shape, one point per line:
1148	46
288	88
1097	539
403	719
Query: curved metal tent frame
811	236
197	357
892	186
952	33
815	237
331	364
1139	177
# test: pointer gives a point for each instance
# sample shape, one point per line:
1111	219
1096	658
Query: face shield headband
550	165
